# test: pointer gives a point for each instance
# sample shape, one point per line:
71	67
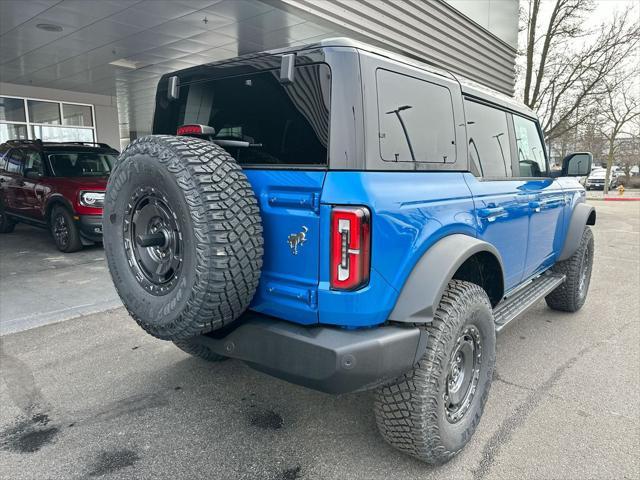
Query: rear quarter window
414	115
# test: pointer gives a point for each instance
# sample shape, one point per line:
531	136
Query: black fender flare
421	293
582	216
52	201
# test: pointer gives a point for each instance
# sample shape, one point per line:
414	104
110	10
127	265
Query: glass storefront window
76	115
44	112
62	134
45	120
12	131
12	110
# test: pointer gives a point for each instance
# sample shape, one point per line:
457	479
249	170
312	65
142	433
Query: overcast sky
603	13
607	8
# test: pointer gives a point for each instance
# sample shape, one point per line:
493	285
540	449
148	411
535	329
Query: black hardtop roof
62	146
468	87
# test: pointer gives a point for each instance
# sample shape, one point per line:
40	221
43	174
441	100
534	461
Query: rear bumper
91	227
327	359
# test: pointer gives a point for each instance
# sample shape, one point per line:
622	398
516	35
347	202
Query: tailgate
290	209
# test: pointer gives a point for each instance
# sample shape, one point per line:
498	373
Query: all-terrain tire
413	413
216	241
198	350
6	224
571	295
65	231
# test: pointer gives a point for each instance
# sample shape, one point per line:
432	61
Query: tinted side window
531	159
488	133
33	161
15	161
414	115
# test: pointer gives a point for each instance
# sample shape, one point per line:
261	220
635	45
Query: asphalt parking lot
95	397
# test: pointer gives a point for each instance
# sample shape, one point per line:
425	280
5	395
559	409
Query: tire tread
227	232
407	410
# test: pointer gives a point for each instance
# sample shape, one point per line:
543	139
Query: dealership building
87	70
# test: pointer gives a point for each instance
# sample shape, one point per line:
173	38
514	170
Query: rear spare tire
182	236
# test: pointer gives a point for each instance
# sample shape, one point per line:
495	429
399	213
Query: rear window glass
81	164
277	123
415	119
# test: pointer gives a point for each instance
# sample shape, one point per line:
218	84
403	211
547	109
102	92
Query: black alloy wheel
153	241
65	231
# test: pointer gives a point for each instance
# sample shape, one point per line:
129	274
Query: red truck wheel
64	230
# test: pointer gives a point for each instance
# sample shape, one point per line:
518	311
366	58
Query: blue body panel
410	211
526	220
289	200
503	221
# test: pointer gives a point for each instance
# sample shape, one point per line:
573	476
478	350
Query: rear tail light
350	248
195	130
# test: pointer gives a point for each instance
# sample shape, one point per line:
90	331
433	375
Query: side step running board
514	305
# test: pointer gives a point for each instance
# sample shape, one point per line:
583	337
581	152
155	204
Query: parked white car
597	177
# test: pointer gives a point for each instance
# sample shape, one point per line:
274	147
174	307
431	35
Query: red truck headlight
350	257
91	199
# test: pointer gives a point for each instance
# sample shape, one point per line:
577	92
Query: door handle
537	206
491	213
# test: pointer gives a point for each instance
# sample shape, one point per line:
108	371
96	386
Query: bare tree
628	154
561	82
619	107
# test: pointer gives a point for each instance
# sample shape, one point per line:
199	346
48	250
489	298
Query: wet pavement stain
113	460
294	473
266	419
29	435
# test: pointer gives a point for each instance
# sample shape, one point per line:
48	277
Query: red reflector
350	256
195	130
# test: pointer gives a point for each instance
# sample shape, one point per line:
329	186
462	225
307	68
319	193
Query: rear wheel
571	295
65	231
6	224
432	411
183	236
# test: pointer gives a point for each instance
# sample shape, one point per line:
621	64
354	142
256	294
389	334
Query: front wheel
571	295
65	231
432	411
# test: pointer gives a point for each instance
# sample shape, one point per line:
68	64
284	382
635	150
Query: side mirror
577	164
32	174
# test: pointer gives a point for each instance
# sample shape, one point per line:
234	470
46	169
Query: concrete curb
615	199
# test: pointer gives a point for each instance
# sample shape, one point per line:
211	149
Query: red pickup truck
59	186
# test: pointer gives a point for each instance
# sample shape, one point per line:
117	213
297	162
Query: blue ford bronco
347	219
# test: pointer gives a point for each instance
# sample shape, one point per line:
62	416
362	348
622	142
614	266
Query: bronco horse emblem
296	240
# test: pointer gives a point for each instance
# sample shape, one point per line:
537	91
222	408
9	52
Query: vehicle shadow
318	434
